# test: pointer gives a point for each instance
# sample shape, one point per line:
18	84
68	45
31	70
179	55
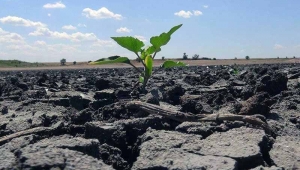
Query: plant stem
140	59
154	55
137	69
145	83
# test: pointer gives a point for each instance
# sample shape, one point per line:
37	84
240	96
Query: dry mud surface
80	119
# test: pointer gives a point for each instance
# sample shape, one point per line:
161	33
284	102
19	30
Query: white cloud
69	27
8	37
2	31
278	47
102	13
55	5
40	31
81	25
43	52
17	21
40	43
101	43
205	6
63	48
13	45
40	51
3	54
184	14
11	38
74	37
123	30
21	47
78	36
197	13
142	38
49	15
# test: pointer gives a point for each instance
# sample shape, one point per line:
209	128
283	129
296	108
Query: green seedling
235	71
146	55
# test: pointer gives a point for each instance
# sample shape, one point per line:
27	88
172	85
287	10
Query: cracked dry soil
79	119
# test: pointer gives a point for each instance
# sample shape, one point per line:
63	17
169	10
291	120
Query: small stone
4	110
105	94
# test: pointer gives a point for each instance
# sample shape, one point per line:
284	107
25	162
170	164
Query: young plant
235	71
145	55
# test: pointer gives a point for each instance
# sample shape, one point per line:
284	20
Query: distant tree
277	57
195	57
235	58
214	59
163	57
89	61
294	57
63	62
286	57
74	63
185	56
247	58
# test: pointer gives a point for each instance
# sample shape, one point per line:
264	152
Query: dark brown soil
79	118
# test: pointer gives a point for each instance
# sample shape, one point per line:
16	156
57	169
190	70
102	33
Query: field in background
19	65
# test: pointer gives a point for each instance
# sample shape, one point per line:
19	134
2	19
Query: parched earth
81	119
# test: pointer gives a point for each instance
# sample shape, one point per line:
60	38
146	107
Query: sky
49	30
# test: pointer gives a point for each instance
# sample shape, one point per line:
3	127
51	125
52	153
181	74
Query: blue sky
46	30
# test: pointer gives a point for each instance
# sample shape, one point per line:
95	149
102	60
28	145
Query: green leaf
172	30
152	49
109	58
130	43
161	40
111	61
149	64
143	54
164	38
235	71
170	64
141	79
